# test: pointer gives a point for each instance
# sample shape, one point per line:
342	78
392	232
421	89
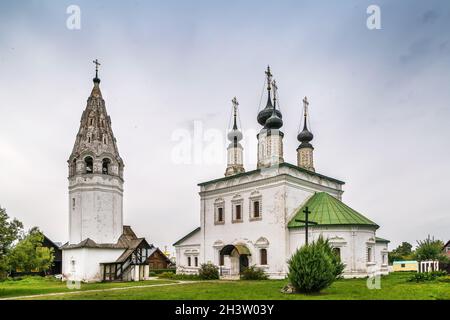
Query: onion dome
274	121
235	134
305	136
265	113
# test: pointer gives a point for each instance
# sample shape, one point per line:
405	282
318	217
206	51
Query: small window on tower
73	203
105	165
89	163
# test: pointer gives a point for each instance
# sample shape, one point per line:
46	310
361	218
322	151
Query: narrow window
222	260
91	122
196	261
369	254
337	252
105	165
256	209
238	212
403	265
263	253
73	203
89	162
189	261
220	214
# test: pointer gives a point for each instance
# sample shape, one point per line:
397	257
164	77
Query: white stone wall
96	208
191	247
352	241
83	264
381	257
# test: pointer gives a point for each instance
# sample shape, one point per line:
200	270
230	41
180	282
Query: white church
257	217
100	247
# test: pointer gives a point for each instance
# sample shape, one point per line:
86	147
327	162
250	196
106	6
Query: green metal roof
283	164
378	239
327	210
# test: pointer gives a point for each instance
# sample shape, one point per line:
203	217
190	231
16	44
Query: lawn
38	285
395	286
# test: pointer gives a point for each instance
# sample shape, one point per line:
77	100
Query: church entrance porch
234	259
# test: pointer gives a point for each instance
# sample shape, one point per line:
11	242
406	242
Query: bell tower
95	176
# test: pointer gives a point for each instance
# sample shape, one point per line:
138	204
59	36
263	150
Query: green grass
37	285
394	286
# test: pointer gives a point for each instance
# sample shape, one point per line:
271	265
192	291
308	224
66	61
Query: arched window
89	163
263	253
105	165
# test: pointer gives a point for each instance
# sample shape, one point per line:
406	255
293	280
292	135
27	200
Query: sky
379	103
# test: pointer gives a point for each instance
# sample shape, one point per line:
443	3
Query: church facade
100	247
257	217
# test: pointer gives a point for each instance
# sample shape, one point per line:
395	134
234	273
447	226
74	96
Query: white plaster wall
381	249
352	241
97	210
87	263
282	191
271	226
190	247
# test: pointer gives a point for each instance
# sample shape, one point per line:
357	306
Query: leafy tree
402	252
29	255
430	249
10	231
314	267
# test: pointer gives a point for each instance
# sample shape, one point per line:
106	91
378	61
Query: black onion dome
265	113
305	135
274	121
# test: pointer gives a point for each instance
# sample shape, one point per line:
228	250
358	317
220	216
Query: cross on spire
275	89
96	67
305	106
269	77
235	105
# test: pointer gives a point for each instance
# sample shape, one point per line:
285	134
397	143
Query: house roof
187	236
378	239
128	240
327	210
283	164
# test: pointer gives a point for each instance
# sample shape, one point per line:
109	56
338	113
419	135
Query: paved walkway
97	290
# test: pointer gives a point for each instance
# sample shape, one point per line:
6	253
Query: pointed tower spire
95	164
305	149
234	151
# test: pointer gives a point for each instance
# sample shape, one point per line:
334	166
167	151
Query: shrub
174	276
254	273
152	274
427	276
208	271
314	267
159	271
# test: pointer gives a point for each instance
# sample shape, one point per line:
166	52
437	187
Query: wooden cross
96	67
306	222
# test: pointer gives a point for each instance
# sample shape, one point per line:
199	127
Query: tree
314	267
402	252
430	249
10	232
29	255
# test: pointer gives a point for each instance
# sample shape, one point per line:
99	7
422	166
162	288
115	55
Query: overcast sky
379	102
